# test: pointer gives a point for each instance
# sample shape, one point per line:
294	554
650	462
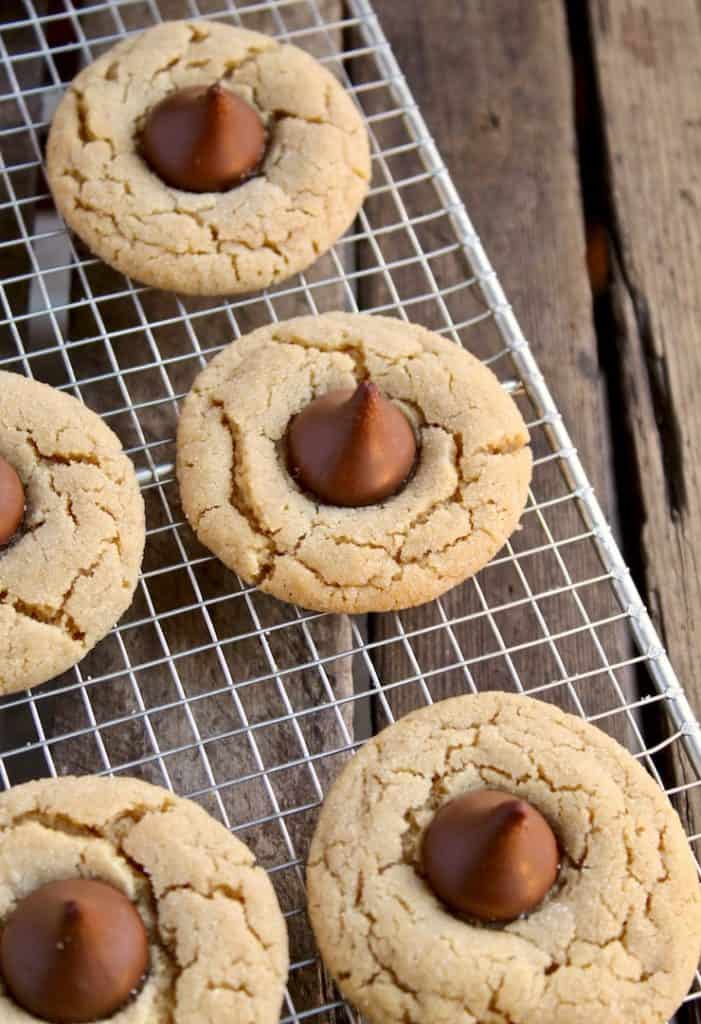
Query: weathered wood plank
648	61
648	58
494	81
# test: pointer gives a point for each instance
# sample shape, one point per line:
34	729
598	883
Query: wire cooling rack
206	686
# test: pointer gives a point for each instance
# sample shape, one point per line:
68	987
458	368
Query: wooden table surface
558	132
573	133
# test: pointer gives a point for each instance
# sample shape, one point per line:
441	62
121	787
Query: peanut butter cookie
616	940
259	214
216	939
448	518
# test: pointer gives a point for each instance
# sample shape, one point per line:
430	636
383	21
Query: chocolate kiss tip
501	822
71	912
517	811
366	396
217	95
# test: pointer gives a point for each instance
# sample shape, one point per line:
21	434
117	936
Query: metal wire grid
206	687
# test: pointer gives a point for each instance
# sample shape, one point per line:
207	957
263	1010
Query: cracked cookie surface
72	570
617	940
313	180
218	940
465	498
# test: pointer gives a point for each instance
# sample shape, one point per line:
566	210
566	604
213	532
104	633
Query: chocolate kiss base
351	448
490	856
74	951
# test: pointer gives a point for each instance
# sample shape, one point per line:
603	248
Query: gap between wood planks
623	325
604	266
608	275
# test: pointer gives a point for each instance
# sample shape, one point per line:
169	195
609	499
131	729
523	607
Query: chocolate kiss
491	856
74	951
350	447
11	502
203	139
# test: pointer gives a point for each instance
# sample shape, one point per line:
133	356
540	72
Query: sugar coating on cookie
617	939
218	942
464	499
312	182
70	571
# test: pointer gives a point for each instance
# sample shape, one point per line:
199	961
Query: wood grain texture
648	58
648	62
494	81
